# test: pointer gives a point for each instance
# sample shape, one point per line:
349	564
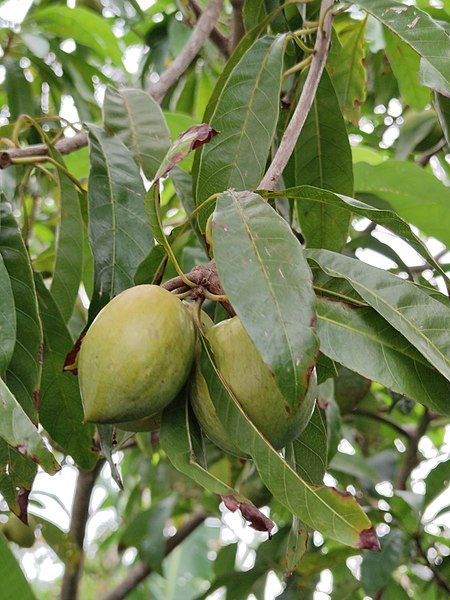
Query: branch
237	23
381	419
140	571
199	34
80	515
440	579
302	109
410	460
220	40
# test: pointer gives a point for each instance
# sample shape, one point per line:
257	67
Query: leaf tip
368	540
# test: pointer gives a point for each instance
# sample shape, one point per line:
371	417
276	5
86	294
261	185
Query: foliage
361	491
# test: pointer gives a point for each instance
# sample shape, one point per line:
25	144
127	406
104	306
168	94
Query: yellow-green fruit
208	235
349	389
152	423
136	355
253	385
16	531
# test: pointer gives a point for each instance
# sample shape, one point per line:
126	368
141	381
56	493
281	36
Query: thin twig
295	126
439	578
80	514
381	419
199	34
410	460
237	23
219	39
140	571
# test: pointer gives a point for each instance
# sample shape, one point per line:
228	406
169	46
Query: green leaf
83	25
24	369
245	115
19	432
108	443
333	513
353	465
150	270
17	473
416	28
18	89
361	340
146	533
118	229
69	245
61	412
387	218
137	120
346	66
405	185
178	434
377	569
437	481
7	319
14	583
423	321
405	64
322	158
263	271
310	449
442	105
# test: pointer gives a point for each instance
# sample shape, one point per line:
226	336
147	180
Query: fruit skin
349	389
136	355
16	531
254	387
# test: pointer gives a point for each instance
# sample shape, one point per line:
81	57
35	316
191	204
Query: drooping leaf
331	512
310	449
263	271
386	218
108	443
376	570
83	25
69	245
14	582
61	412
322	158
416	28
405	63
119	233
7	319
24	369
18	89
437	481
346	66
361	340
20	433
423	321
442	104
137	120
245	115
405	185
17	473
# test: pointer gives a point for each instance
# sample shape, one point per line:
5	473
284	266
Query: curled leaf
253	515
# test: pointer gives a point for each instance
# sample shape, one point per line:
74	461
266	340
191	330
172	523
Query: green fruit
349	389
253	385
136	355
16	531
208	235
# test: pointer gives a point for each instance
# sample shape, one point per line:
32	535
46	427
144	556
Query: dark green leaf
322	158
437	481
150	270
417	29
14	583
405	64
69	245
263	271
245	115
405	185
423	321
7	319
119	233
24	370
387	218
346	65
137	120
310	449
19	432
377	569
18	90
361	340
442	104
332	513
61	412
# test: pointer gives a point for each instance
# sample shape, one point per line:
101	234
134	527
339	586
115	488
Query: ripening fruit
254	387
349	389
16	531
136	355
